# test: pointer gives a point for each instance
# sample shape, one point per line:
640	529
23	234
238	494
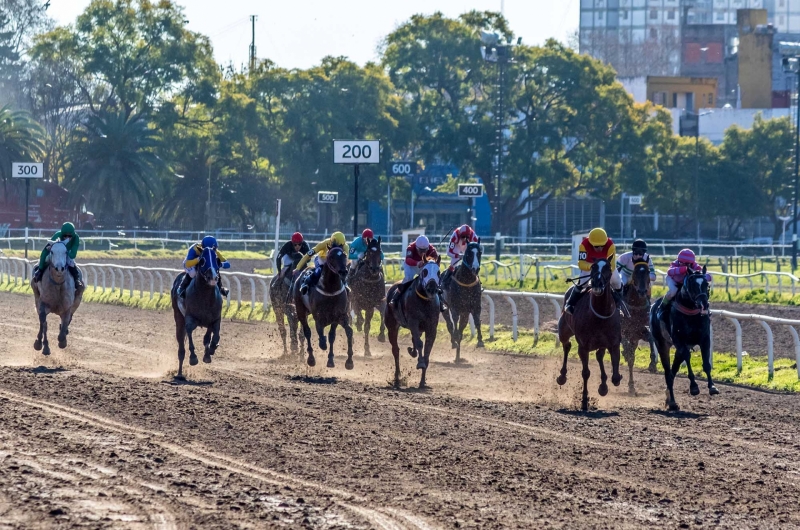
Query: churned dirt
100	436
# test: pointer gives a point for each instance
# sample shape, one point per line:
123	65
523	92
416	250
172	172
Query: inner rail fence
153	283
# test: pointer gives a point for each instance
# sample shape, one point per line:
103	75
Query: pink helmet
686	256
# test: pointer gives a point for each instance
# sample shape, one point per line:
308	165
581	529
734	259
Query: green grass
130	253
754	369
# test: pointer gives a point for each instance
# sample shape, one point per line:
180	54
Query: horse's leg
669	376
616	377
629	352
190	326
705	350
331	339
360	319
348	331
382	310
392	328
476	316
653	355
416	342
583	353
323	343
450	320
430	338
213	331
180	335
281	327
294	332
63	330
463	320
302	317
603	388
693	388
368	312
566	345
41	340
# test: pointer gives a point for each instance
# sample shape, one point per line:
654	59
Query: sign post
27	171
356	152
471	191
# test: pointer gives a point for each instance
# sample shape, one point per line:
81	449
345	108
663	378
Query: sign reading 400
470	190
356	151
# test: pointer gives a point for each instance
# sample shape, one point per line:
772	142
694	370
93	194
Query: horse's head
695	288
641	278
207	266
472	256
373	255
429	277
58	259
336	261
600	276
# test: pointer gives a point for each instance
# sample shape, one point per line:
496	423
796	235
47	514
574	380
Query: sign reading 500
356	151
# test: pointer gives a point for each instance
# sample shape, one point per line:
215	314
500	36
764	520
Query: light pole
414	198
791	65
690	126
209	161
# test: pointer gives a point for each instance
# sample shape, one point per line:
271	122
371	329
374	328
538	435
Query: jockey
627	261
193	258
462	236
597	247
295	244
417	255
68	236
678	269
359	247
319	253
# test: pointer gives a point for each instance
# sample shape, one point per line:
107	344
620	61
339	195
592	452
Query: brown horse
462	293
368	291
279	288
327	303
636	327
595	325
418	310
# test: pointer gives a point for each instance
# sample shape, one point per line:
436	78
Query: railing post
514	317
491	315
738	327
770	353
535	305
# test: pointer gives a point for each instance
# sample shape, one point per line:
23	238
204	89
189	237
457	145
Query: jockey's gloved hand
226	265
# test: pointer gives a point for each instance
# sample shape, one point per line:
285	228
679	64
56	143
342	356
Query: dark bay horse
595	325
55	293
636	327
368	291
690	325
462	293
418	310
279	288
327	303
201	307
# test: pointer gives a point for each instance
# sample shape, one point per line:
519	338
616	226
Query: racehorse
327	303
55	293
279	288
368	291
595	325
636	326
690	325
418	310
200	307
462	294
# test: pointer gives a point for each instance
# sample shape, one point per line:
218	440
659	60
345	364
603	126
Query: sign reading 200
356	151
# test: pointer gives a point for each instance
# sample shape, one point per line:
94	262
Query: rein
598	315
473	284
421	295
326	293
685	310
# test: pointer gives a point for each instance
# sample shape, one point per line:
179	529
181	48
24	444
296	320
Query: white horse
55	293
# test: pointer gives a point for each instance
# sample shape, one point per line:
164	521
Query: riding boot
617	298
310	280
184	284
574	296
37	274
398	293
76	275
664	311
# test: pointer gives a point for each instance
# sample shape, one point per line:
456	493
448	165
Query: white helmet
422	242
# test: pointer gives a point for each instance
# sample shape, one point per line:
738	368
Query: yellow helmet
337	238
598	237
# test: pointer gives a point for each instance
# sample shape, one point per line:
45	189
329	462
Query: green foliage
21	140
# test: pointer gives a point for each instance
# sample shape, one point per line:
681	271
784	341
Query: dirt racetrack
99	436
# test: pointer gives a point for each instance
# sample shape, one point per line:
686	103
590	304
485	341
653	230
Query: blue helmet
209	242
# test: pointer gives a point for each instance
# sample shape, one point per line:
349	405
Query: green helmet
68	229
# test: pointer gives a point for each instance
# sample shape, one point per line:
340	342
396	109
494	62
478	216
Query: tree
113	164
21	140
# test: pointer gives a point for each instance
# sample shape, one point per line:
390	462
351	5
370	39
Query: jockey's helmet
464	232
687	256
640	245
68	229
209	242
422	243
367	234
297	238
337	239
598	237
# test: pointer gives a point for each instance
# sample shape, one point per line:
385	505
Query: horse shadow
451	364
313	379
592	414
409	390
185	382
46	370
678	414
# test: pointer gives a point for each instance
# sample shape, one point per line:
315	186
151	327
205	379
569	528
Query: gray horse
279	288
55	294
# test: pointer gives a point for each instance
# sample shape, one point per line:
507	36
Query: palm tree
112	162
22	139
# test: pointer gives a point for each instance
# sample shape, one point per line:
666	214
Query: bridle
597	276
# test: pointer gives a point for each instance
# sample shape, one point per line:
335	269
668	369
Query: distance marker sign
328	197
470	190
27	170
356	151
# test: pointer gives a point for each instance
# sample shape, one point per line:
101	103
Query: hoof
561	380
37	345
179	377
694	389
712	390
358	328
348	364
480	344
421	364
423	386
602	389
673	406
62	343
330	363
616	379
367	353
584	406
453	345
631	390
459	360
323	344
311	361
381	338
207	358
652	368
412	352
46	350
193	360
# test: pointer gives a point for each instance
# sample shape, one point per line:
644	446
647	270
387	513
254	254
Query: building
692	93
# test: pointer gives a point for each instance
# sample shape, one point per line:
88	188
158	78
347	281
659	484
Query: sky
299	33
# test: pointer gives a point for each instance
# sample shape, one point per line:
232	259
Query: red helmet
297	238
367	234
464	231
